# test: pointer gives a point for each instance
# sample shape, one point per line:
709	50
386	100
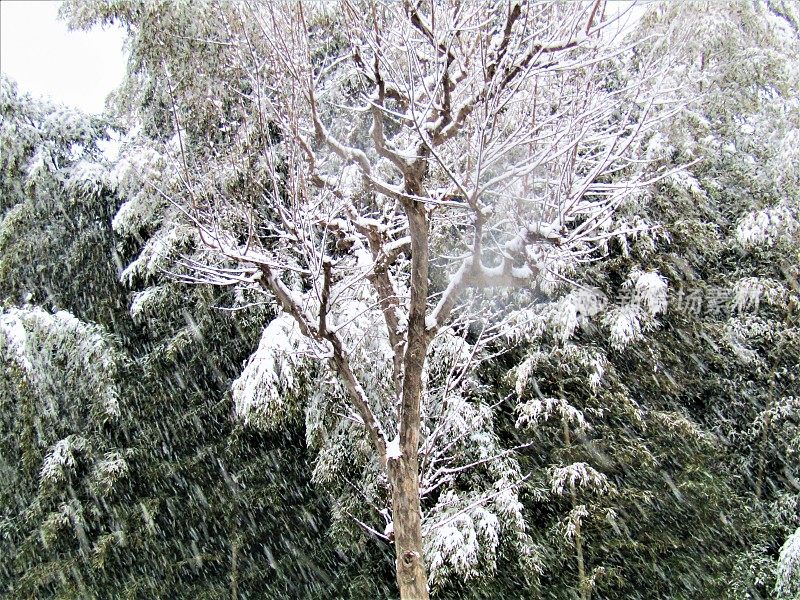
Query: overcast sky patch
46	59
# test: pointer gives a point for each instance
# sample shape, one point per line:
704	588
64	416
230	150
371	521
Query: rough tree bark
412	580
404	470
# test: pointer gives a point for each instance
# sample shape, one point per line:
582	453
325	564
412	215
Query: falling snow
547	260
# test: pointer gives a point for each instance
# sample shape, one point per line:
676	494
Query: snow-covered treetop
36	135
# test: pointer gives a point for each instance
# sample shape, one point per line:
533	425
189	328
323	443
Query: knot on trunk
409	558
409	567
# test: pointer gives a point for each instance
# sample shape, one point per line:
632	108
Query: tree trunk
403	470
411	574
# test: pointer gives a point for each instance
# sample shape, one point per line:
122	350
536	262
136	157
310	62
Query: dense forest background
127	472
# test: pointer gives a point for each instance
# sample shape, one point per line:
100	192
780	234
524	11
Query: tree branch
338	360
472	274
325	296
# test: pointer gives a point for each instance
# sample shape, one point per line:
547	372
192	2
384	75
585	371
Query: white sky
44	58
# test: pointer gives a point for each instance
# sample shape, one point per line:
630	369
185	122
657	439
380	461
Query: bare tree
420	158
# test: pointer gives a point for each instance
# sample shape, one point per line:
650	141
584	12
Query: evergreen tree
124	474
63	454
668	381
